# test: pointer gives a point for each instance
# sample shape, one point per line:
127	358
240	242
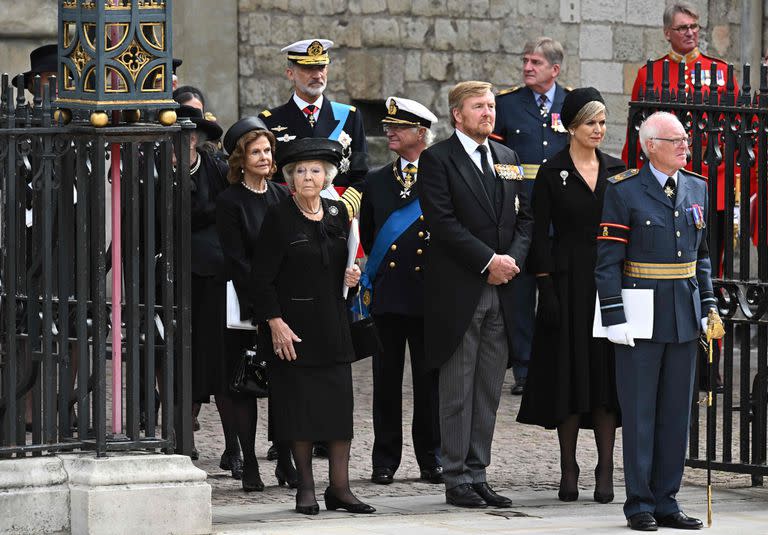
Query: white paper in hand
638	310
353	243
233	311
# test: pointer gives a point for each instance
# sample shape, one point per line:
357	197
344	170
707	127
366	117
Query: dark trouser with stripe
394	331
654	382
470	388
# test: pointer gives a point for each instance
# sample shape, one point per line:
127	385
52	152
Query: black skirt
313	404
208	318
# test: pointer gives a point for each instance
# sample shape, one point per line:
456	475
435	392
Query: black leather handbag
250	377
365	336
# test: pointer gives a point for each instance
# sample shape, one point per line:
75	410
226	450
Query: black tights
604	423
226	406
338	467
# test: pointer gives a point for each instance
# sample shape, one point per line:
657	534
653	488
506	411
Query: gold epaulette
509	90
266	113
629	173
568	88
352	109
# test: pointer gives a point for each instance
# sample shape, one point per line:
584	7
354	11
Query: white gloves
704	325
619	334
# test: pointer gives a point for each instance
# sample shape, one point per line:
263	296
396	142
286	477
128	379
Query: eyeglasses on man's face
676	141
684	28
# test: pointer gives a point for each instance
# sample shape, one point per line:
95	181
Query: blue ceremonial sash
398	222
340	113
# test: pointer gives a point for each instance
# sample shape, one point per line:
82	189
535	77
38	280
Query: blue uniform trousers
654	382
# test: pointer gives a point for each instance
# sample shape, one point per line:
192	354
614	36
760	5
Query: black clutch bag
365	336
250	377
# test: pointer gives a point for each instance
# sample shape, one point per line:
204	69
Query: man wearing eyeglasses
653	236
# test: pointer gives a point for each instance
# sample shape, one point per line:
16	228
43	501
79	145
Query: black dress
239	215
570	371
207	305
298	275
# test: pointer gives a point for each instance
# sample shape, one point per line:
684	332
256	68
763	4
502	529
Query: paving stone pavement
525	457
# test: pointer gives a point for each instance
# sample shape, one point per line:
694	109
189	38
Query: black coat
570	371
208	182
465	233
288	122
239	215
298	275
399	283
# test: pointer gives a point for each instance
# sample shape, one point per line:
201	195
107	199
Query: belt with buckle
647	270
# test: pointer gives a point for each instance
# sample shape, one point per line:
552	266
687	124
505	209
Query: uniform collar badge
279	128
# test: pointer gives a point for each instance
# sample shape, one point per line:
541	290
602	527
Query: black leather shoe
642	522
490	496
382	476
251	478
464	496
311	509
286	474
232	461
272	453
679	520
332	503
432	475
518	388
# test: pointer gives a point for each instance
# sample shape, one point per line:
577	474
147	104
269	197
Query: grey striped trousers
470	388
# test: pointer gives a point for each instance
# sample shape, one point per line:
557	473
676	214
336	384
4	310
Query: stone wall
23	27
420	48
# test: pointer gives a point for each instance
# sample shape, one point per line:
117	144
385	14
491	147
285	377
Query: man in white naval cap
309	114
393	233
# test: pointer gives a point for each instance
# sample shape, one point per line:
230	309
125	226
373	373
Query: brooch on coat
507	171
346	151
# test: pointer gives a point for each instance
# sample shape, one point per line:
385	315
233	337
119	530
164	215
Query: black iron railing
56	331
729	129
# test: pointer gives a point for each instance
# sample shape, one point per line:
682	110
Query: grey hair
330	173
678	7
650	127
549	48
588	111
429	137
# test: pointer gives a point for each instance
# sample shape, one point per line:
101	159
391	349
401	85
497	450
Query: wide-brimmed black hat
310	148
240	128
211	129
575	100
41	59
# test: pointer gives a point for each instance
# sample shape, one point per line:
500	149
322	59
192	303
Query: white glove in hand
704	325
619	334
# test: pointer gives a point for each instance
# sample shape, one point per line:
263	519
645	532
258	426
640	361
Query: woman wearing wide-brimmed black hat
571	380
297	289
240	211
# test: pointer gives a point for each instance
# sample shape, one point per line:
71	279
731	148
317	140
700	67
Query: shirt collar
550	95
404	162
301	103
661	177
469	144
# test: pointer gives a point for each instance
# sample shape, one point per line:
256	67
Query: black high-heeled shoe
568	495
286	475
332	503
312	509
232	461
601	497
251	477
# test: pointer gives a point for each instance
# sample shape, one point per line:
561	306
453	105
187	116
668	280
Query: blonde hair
588	111
330	173
236	160
462	91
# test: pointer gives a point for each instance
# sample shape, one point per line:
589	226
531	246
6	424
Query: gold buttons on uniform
421	217
419	251
392	264
394	247
418	268
421	234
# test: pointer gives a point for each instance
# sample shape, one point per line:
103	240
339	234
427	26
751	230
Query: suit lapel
653	188
469	172
326	123
682	189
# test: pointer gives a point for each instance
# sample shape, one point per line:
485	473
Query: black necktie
489	179
670	188
543	104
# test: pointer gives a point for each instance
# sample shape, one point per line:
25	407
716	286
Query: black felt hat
175	64
240	128
577	99
310	148
211	129
41	59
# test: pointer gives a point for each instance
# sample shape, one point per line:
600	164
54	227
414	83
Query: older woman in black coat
240	213
298	281
571	381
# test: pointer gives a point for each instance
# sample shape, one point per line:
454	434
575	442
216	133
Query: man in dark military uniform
393	232
309	114
528	122
653	236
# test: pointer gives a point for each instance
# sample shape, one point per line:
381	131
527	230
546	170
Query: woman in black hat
297	289
239	214
571	381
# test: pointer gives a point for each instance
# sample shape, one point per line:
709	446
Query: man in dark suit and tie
475	205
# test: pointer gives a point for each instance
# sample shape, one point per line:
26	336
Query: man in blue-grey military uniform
653	236
396	238
309	114
528	122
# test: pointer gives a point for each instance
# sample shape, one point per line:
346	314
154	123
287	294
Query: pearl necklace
196	165
254	190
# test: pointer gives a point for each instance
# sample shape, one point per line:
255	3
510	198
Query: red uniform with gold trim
693	57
